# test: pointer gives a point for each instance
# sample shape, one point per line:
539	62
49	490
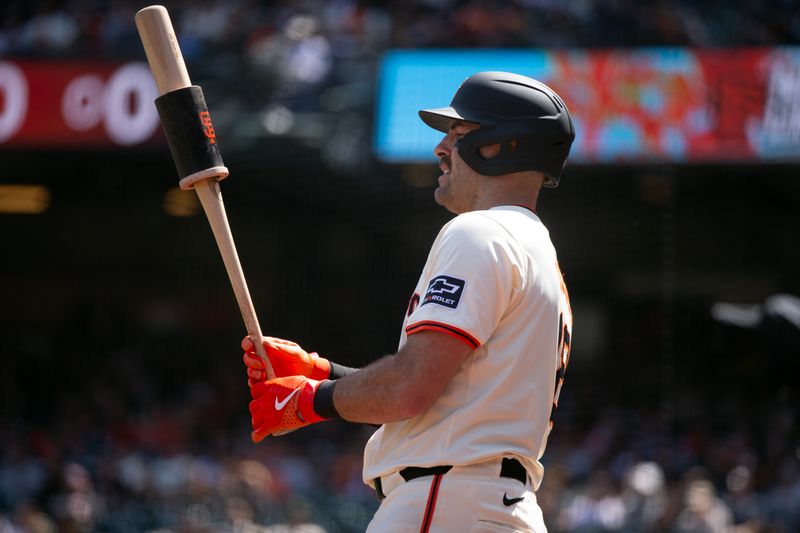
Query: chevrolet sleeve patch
444	290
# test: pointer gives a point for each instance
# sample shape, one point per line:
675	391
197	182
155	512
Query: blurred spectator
52	30
704	512
75	504
599	507
297	60
298	519
645	496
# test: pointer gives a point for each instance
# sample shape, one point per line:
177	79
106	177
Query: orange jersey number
564	344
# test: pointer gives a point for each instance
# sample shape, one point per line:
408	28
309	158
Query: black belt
510	468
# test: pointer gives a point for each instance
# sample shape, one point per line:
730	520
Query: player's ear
492	150
489	151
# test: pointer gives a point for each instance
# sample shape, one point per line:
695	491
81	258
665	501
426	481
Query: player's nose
444	147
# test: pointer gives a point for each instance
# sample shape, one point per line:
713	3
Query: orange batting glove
287	358
282	405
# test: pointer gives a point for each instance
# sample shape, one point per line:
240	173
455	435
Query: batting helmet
509	106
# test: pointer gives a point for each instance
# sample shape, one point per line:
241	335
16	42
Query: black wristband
339	371
323	400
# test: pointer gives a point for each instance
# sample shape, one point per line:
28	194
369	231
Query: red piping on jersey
427	518
447	329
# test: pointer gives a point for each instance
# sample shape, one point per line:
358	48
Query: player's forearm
379	393
400	386
395	387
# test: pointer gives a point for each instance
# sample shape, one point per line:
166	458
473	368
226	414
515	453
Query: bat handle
211	198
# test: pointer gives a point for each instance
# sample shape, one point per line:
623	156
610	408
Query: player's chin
444	199
440	195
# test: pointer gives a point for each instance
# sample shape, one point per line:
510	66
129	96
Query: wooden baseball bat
169	70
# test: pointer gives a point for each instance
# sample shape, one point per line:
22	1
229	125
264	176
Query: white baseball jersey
491	280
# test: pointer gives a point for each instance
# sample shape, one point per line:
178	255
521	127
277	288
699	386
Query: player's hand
282	405
287	358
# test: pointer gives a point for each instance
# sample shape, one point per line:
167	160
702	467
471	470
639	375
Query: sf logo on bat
445	291
208	127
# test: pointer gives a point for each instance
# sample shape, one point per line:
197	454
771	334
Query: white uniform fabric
492	280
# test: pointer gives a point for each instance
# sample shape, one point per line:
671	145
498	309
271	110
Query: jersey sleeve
468	282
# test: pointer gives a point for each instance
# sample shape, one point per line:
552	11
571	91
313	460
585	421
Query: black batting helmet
509	106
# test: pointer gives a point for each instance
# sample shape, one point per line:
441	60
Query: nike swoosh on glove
282	405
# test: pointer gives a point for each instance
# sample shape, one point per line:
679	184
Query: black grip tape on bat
191	136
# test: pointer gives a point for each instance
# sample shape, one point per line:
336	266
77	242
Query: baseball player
466	403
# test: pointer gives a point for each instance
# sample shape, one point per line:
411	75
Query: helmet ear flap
532	151
507	160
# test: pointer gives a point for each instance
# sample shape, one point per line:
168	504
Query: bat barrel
162	49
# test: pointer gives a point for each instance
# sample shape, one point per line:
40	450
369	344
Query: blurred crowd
152	435
130	415
155	437
253	29
307	68
719	471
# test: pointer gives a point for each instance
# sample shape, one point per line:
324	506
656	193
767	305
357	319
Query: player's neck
511	189
524	198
